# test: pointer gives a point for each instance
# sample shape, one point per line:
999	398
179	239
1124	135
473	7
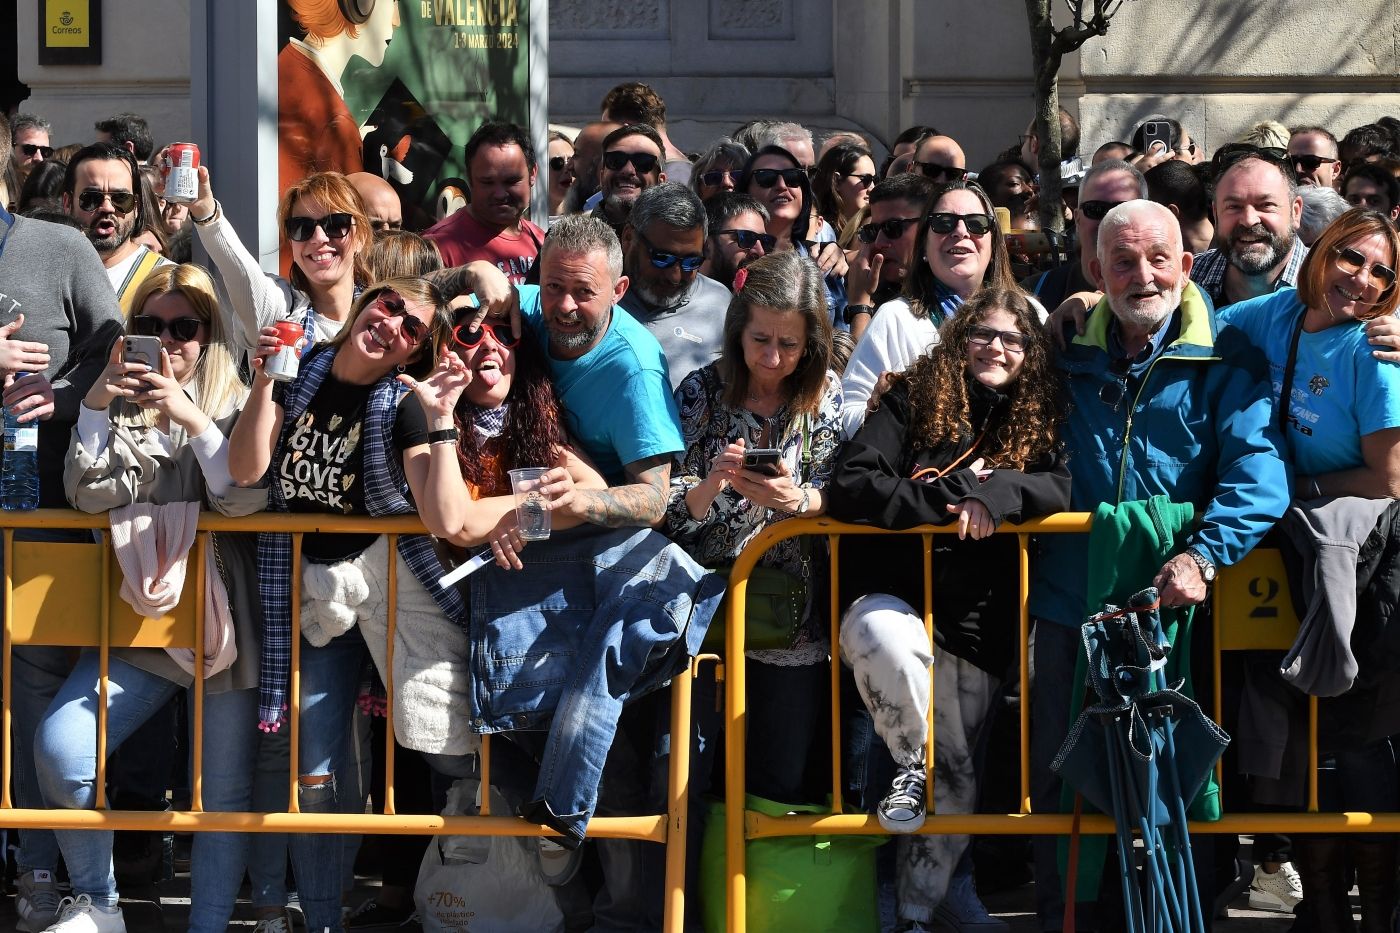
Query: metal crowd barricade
1252	611
66	594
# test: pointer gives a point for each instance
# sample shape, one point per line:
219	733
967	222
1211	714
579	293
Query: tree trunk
1047	112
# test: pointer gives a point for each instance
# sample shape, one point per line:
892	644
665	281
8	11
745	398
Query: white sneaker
1278	892
36	901
80	915
277	923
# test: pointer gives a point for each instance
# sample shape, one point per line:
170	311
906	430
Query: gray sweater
691	332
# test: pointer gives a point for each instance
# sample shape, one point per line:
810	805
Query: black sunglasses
301	229
768	177
976	224
392	302
183	329
30	148
90	199
1012	340
643	162
893	229
464	337
939	172
1227	156
1352	262
1310	163
557	163
866	181
1097	210
745	239
716	178
664	260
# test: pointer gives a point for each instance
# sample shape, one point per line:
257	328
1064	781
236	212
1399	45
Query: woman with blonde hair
157	439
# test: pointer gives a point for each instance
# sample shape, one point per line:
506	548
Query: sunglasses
1310	163
30	148
1227	156
866	181
90	199
392	302
1013	341
976	224
768	177
717	178
464	337
941	172
335	226
893	229
745	239
557	163
663	260
183	329
1352	262
1097	210
643	162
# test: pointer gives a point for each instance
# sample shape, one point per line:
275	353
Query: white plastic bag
503	893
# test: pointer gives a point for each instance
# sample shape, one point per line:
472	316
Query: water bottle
19	474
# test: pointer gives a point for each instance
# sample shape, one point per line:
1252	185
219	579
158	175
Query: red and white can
179	172
283	365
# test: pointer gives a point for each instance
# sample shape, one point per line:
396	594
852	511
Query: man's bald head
381	201
940	159
588	154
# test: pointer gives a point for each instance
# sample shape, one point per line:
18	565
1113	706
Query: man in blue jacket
1165	401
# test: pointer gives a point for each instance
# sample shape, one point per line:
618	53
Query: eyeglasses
768	177
717	178
643	162
377	225
183	329
470	338
90	199
866	181
1352	262
30	148
663	260
335	226
976	224
392	302
939	172
557	163
745	239
893	229
1098	210
1013	341
1310	163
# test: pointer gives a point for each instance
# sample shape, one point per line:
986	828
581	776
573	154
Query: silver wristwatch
1206	567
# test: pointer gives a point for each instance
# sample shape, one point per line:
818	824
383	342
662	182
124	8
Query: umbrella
1141	753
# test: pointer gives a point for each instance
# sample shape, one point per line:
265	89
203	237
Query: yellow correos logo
66	24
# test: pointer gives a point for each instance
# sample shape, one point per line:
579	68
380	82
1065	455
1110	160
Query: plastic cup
531	507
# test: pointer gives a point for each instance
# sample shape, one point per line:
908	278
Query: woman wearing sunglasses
323	223
159	438
842	184
1342	431
718	168
968	434
963	251
341	439
561	172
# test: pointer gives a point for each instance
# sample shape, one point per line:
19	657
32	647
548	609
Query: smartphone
763	460
138	349
1155	132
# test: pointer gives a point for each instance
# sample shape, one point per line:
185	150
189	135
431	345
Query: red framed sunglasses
464	337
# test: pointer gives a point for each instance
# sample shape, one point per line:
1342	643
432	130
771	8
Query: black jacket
975	582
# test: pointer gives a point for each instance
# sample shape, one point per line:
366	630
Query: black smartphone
763	460
1154	132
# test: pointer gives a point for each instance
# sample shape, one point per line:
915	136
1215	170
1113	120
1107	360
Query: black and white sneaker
902	810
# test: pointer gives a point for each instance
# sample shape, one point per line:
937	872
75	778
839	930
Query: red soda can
179	173
283	365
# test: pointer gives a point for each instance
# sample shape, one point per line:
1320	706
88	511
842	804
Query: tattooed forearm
643	503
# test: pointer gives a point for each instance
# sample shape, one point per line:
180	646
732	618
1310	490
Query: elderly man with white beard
1165	401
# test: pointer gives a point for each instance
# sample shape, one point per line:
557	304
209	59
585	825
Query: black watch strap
852	310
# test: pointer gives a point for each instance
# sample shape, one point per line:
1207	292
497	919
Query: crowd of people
696	347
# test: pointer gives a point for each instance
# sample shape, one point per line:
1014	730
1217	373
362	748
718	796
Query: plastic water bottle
19	474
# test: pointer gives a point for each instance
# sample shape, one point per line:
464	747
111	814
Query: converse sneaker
80	915
1278	892
902	810
36	901
276	923
962	909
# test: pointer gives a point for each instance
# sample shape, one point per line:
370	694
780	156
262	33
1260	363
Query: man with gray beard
1257	210
1164	401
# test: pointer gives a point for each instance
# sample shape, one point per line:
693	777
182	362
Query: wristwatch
806	502
1203	563
852	310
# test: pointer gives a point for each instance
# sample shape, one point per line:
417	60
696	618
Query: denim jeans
267	859
1056	649
66	763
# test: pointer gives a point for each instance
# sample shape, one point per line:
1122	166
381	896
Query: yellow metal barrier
1253	595
66	594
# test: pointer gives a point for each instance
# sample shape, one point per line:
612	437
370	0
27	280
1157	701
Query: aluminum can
179	172
283	365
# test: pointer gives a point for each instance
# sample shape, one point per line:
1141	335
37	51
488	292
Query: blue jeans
66	763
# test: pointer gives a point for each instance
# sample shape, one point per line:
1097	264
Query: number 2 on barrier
1255	605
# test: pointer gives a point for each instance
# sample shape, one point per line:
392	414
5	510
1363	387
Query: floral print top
708	425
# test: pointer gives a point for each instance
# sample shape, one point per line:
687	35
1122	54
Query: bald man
940	159
381	201
588	156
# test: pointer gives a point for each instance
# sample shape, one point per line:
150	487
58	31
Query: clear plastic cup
531	506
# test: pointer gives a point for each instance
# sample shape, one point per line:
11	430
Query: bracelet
206	221
446	436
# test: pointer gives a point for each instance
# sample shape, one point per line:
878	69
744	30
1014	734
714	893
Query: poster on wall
395	88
